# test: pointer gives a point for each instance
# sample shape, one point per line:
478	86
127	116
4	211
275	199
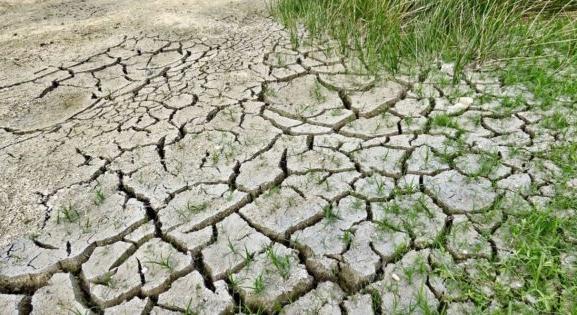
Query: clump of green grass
330	214
248	257
445	121
532	250
191	209
164	262
512	103
487	164
347	238
68	214
99	196
280	262
388	34
189	308
535	246
548	78
538	248
565	156
557	121
258	285
317	93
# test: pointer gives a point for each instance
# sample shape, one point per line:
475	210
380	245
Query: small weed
68	214
422	302
557	121
233	282
327	186
231	246
258	284
445	121
487	164
347	238
419	267
400	250
189	310
275	190
248	257
485	98
336	112
281	263
512	103
358	204
383	226
392	208
196	208
409	121
75	311
329	214
191	209
268	92
317	94
421	207
302	110
99	196
163	262
215	158
376	300
229	195
381	187
280	60
447	157
86	226
407	189
107	279
229	113
291	202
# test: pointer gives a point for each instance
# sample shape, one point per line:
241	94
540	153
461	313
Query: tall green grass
386	34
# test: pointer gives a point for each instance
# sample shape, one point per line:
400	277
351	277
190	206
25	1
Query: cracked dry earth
235	173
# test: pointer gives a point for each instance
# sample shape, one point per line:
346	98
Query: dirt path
165	156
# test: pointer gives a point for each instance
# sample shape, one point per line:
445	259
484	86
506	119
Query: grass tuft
258	285
68	214
280	262
393	33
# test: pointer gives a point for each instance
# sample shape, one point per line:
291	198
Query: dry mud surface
200	164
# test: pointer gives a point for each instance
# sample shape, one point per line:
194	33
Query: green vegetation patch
392	33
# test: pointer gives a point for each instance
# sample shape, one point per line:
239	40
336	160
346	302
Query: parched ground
163	157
